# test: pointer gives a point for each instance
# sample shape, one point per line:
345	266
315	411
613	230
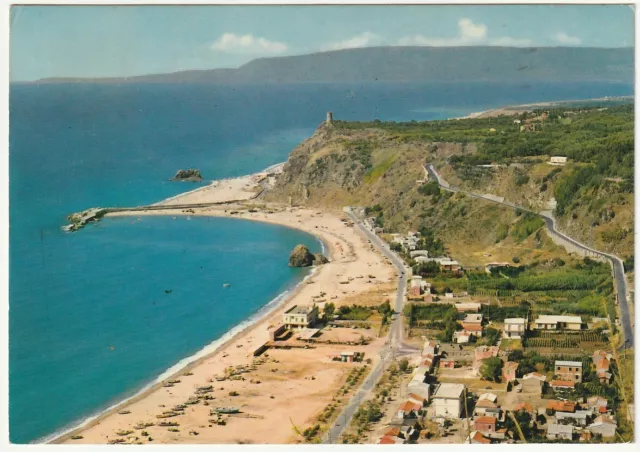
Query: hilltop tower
329	117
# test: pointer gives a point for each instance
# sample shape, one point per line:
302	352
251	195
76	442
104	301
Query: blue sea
98	314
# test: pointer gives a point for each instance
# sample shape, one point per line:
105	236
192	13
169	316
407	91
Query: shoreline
510	110
256	324
216	346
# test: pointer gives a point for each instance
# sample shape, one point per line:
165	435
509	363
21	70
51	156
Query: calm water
90	320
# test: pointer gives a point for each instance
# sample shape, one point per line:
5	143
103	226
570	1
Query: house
417	399
430	348
558	322
485	424
450	265
509	371
392	431
603	425
448	400
535	375
418	386
514	328
563	406
300	317
597	402
602	362
468	307
473	319
472	328
478	438
491	265
349	357
568	370
558	160
461	337
408	432
560	432
417	253
487	406
408	409
562	385
391	440
577	418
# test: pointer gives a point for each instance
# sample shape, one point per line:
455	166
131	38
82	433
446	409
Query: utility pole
466	414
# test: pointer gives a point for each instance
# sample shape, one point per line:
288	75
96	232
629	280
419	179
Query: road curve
616	262
390	347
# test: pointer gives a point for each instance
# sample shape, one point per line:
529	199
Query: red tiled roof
511	365
409	406
562	384
479	438
485	420
603	364
471	327
602	409
560	405
386	440
523	406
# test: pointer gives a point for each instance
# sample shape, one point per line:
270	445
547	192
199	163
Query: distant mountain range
412	64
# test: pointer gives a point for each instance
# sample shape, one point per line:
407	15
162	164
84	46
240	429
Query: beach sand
295	385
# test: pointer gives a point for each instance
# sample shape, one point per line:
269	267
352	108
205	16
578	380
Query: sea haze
90	320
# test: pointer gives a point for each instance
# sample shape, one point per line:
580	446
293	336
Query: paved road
618	267
391	347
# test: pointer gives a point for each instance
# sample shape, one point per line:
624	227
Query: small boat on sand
227	410
124	412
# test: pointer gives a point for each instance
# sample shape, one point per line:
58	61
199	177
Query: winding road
393	345
616	262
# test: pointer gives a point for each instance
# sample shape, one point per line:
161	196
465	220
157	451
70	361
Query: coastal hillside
414	64
380	165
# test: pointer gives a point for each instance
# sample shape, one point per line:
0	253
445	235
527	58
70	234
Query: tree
329	309
491	369
395	246
404	364
492	336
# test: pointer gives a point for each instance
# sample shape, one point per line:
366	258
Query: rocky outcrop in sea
189	175
302	257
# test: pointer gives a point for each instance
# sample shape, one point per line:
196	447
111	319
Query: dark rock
319	259
188	175
301	257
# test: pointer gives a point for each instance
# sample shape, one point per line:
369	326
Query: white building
558	160
603	425
418	386
559	431
448	400
558	322
514	328
300	316
417	253
474	319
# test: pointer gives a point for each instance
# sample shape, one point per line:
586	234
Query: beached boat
77	437
227	410
173	381
124	412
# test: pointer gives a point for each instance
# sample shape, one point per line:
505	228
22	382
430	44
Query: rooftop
559	428
449	391
569	363
562	384
300	309
515	321
559	318
486	420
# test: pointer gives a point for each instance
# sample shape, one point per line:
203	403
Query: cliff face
368	167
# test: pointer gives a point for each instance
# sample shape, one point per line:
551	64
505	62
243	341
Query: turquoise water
90	322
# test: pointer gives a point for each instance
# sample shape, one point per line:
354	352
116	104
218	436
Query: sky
108	41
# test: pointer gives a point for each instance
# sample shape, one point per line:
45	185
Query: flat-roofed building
298	317
558	322
568	371
514	328
448	400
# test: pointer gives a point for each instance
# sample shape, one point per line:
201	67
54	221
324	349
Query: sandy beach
284	387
